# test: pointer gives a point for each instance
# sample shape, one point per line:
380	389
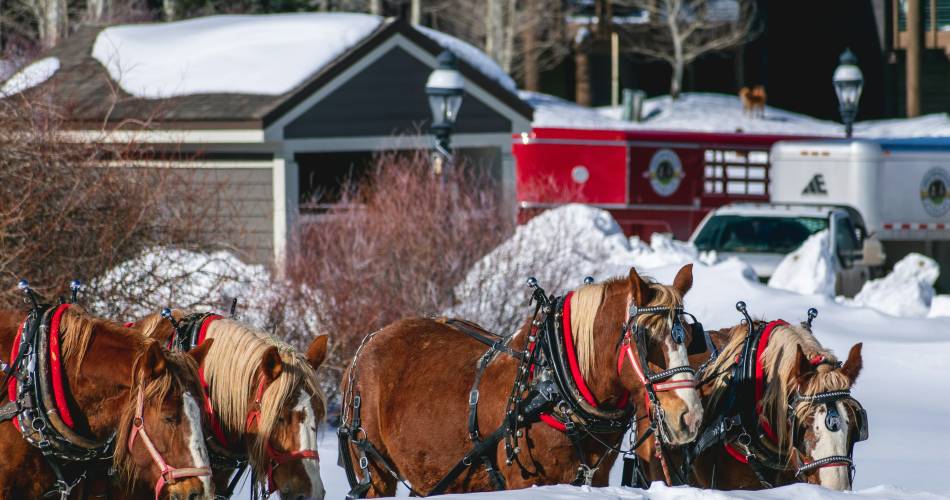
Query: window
737	233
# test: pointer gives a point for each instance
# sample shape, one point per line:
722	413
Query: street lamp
444	88
848	81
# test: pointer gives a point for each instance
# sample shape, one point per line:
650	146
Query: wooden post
614	69
415	12
581	77
914	39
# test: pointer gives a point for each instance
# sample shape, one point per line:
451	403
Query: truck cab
762	234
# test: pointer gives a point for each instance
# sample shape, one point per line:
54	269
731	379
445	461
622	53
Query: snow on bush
30	76
808	270
906	291
178	278
559	247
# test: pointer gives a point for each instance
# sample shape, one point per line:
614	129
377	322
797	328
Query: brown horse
114	383
263	402
807	418
414	380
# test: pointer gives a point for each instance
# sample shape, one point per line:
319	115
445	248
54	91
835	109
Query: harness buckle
473	397
364	463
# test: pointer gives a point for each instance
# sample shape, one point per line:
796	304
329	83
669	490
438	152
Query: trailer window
737	233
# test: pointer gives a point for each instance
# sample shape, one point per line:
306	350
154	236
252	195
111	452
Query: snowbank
706	112
30	76
808	270
906	291
246	54
940	307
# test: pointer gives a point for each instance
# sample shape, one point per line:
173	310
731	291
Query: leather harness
547	387
38	408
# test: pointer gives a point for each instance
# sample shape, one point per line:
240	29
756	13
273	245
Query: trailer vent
730	172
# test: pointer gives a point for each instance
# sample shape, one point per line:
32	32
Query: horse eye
170	418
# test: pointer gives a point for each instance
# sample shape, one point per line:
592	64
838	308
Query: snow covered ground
903	384
706	112
32	75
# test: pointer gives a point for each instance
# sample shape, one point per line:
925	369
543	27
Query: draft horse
88	395
261	400
778	409
559	394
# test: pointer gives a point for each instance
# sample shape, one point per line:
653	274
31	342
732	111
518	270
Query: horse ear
199	353
317	352
639	289
852	367
153	361
271	365
802	364
684	279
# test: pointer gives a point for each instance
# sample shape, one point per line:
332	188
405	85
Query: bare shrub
75	208
396	246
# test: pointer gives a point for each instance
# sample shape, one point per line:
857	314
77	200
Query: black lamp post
848	81
444	88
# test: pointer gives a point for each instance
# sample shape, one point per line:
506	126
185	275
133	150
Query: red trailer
651	181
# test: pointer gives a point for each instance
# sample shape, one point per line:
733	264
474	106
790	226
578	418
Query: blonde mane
778	361
586	302
230	367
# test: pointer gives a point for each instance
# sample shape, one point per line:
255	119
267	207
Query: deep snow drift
32	75
707	112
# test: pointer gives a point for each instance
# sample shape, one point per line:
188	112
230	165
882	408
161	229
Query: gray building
270	153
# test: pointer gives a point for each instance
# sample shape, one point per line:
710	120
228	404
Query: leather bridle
275	458
832	423
188	334
634	349
169	474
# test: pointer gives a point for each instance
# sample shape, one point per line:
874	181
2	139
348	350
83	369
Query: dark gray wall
387	98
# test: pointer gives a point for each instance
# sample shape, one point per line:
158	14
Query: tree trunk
494	32
508	52
376	7
52	21
170	9
529	49
98	10
415	12
676	80
581	78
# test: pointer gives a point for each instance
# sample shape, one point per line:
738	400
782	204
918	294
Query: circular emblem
580	174
665	172
933	192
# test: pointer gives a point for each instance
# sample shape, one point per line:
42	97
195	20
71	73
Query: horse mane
778	362
230	369
77	328
586	303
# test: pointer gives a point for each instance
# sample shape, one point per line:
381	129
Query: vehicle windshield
738	233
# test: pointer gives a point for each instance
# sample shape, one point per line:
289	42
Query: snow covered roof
246	54
237	68
32	75
706	112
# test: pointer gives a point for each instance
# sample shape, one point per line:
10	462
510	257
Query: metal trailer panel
899	186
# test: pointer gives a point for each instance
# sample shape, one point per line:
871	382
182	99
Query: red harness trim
576	374
56	366
213	420
571	354
760	387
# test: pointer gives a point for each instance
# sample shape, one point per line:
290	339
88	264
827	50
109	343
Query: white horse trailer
899	186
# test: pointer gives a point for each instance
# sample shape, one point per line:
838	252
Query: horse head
159	439
641	322
826	421
293	442
657	364
266	401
